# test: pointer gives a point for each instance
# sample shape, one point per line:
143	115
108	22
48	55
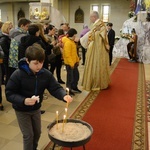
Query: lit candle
57	118
66	111
63	123
67	89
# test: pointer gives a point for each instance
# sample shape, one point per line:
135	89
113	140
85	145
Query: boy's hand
31	101
36	97
68	98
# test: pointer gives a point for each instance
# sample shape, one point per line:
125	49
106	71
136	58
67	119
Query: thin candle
67	89
63	123
66	113
57	118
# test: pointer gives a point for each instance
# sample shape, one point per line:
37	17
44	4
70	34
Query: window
95	8
105	13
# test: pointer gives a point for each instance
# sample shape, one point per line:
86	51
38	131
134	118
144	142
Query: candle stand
72	143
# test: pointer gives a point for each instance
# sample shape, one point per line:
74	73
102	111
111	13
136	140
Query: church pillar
54	3
64	8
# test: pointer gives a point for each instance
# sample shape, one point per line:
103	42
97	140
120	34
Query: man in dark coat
111	40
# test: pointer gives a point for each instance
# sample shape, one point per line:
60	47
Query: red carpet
112	113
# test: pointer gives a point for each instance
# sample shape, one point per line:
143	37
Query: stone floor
10	135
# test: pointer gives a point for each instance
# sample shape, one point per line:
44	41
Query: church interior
76	13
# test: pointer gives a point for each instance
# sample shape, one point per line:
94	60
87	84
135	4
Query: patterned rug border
148	99
139	141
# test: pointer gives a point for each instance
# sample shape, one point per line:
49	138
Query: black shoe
77	90
61	81
2	108
71	93
42	111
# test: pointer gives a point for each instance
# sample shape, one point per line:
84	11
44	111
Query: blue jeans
72	77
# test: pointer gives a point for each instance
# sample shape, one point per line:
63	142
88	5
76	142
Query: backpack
13	51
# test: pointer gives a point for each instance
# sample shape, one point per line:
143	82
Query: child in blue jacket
25	90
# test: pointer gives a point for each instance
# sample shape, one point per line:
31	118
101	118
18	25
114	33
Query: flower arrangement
132	8
125	35
132	5
131	14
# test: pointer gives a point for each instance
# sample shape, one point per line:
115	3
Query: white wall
9	11
119	12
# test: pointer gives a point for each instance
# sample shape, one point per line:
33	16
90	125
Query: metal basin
72	143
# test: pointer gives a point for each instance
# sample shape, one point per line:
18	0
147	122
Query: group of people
26	58
28	73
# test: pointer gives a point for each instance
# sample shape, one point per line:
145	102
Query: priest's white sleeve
84	40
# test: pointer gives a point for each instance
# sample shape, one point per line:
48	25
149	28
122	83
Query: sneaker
61	81
132	60
42	111
77	90
71	93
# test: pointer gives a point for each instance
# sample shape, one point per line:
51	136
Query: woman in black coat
5	45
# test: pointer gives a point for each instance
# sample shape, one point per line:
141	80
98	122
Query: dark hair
23	21
35	52
60	32
61	24
33	28
49	27
71	32
109	24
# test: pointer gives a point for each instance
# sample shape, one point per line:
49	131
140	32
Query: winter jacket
5	45
24	84
27	41
70	52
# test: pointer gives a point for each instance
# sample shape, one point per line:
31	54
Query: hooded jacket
70	52
5	44
27	41
23	84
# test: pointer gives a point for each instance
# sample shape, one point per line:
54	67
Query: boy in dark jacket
25	90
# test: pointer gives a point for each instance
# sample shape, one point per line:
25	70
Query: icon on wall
79	16
39	12
21	14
